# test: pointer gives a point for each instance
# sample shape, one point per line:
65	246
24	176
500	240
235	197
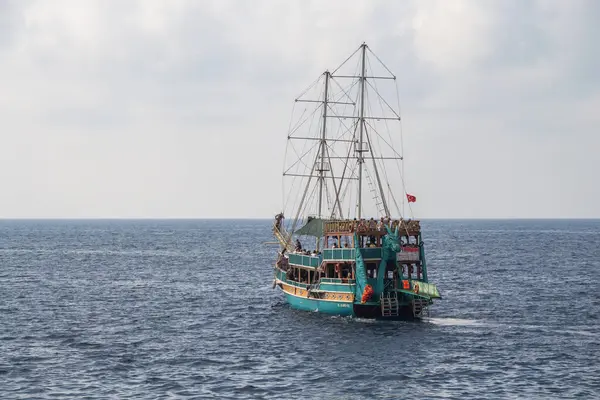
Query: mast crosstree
351	141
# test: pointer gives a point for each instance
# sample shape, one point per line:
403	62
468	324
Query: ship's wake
454	321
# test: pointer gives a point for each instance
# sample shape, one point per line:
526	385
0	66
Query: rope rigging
333	158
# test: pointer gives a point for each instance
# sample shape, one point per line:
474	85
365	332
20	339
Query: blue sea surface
185	309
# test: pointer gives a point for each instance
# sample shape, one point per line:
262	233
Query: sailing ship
348	249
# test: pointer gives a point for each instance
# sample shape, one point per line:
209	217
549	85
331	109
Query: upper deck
365	236
371	227
408	253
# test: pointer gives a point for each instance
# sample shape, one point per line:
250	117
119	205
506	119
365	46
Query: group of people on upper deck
374	225
298	249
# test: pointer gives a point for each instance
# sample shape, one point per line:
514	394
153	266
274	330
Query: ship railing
338	280
298	284
370	227
370	253
282	276
345	254
339	254
305	260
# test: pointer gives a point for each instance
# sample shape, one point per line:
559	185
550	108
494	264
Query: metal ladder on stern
420	308
389	304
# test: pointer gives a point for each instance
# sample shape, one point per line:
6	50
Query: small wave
102	252
583	333
365	320
543	328
453	321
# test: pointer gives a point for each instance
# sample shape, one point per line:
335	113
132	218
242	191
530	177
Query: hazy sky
181	108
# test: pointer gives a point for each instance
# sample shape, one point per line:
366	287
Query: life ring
416	288
367	293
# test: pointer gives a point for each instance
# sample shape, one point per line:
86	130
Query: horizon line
269	218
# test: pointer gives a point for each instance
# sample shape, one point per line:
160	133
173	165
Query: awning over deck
313	227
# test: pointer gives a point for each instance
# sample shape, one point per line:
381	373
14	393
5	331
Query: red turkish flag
411	198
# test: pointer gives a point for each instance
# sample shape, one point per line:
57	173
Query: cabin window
372	241
334	242
313	276
346	271
291	274
390	268
371	270
338	241
298	275
412	271
347	242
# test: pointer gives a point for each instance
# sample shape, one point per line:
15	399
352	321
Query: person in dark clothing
278	219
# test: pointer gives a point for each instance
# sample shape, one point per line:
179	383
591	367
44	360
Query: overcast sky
181	108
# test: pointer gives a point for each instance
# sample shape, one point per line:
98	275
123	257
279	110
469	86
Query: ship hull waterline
345	308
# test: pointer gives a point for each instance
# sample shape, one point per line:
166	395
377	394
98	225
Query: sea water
185	309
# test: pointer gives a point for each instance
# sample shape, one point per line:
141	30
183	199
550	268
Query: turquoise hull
327	307
346	309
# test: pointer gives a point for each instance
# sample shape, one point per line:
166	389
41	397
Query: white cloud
180	108
453	35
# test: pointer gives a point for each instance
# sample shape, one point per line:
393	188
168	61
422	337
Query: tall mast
361	122
358	139
321	167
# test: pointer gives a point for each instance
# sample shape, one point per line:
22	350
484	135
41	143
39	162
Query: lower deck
388	259
336	297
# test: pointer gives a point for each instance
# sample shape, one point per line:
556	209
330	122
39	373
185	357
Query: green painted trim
422	256
304	260
326	307
426	290
333	287
371	253
410	293
338	281
346	254
361	273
